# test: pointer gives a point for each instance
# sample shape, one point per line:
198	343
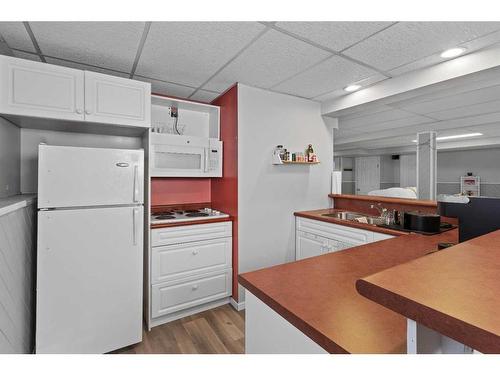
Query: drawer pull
195	252
194	287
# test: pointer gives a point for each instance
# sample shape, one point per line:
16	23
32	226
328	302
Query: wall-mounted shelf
300	162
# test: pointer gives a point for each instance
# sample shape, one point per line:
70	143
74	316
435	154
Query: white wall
389	172
31	138
10	143
268	195
408	170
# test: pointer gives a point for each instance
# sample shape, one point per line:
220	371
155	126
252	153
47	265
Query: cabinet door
310	245
115	100
36	89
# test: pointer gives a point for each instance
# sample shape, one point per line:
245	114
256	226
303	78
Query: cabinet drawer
334	231
175	261
178	295
190	233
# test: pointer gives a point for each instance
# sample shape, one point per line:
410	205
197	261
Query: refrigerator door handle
134	223
136	183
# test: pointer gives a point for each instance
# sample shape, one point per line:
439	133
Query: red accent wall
225	190
173	190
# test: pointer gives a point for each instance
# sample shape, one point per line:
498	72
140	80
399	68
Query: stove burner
164	217
196	214
192	211
164	213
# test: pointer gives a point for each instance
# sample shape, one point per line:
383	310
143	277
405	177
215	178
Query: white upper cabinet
115	100
35	89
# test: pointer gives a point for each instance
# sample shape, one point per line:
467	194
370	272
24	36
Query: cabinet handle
79	111
194	287
87	112
195	252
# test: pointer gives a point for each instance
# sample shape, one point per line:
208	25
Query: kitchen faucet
384	213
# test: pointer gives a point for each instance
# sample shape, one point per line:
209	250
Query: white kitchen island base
423	340
267	332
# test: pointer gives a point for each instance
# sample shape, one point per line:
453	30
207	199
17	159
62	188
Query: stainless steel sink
353	216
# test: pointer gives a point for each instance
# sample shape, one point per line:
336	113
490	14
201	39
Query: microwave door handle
206	159
136	183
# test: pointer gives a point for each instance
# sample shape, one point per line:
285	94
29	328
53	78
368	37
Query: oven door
178	161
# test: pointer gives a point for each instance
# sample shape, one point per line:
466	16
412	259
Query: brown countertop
318	215
454	291
318	295
400	201
192	222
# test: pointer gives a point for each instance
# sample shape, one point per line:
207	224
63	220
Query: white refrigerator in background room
90	249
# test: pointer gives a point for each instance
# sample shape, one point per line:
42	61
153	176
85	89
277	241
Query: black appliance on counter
476	215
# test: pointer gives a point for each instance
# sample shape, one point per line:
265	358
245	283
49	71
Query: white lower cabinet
190	270
314	237
184	293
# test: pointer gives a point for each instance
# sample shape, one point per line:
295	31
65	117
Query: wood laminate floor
216	331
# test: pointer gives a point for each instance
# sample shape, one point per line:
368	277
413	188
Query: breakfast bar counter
454	292
318	298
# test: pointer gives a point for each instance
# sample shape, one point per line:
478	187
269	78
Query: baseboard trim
187	312
238	306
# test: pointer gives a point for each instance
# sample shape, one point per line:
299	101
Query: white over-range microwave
185	156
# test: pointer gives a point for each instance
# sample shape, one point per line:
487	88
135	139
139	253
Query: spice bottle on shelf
309	154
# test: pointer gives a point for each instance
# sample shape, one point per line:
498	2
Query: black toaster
422	222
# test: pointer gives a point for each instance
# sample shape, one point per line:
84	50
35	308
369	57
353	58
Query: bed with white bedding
396	192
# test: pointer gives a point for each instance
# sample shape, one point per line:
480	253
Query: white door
89	279
35	89
310	245
367	171
116	100
83	176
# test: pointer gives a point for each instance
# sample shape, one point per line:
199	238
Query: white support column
426	165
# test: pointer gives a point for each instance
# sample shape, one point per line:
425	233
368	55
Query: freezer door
83	176
89	279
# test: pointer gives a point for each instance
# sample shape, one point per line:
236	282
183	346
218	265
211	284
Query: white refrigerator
90	249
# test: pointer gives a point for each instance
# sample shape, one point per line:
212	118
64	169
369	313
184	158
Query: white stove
176	215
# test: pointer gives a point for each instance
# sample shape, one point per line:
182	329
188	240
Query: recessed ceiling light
467	135
452	52
352	88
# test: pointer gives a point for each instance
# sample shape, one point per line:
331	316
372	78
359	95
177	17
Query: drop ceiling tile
16	36
167	88
470	46
334	35
111	45
26	56
332	74
190	52
341	92
205	96
268	61
75	65
407	42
